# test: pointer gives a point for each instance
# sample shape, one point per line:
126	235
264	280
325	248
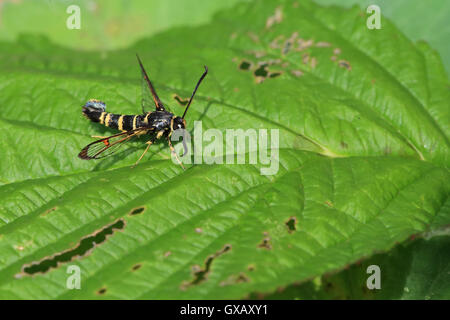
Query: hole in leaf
201	274
261	71
245	65
291	224
101	291
266	242
85	245
136	211
136	267
274	74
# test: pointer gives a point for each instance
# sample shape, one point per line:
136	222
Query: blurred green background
114	24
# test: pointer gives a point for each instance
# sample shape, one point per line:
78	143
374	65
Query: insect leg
99	137
172	149
146	149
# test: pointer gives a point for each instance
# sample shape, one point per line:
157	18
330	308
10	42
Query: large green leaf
112	24
363	125
417	270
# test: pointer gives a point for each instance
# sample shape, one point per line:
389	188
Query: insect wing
107	146
149	95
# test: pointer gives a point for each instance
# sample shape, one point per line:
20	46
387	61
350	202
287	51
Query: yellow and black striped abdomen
94	110
121	122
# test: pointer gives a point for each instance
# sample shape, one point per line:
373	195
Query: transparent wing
107	146
149	95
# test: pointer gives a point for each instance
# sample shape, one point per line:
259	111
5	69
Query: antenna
195	90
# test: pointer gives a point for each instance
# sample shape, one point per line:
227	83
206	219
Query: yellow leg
146	149
172	149
99	137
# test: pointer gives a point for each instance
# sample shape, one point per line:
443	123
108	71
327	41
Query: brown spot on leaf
253	36
344	145
303	44
242	278
48	211
275	44
266	242
276	18
305	58
289	43
297	73
345	64
257	54
259	79
234	279
323	44
23	246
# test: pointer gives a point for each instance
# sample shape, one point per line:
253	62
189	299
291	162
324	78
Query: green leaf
418	270
418	20
104	24
363	157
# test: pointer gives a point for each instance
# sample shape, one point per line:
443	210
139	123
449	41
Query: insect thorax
159	120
